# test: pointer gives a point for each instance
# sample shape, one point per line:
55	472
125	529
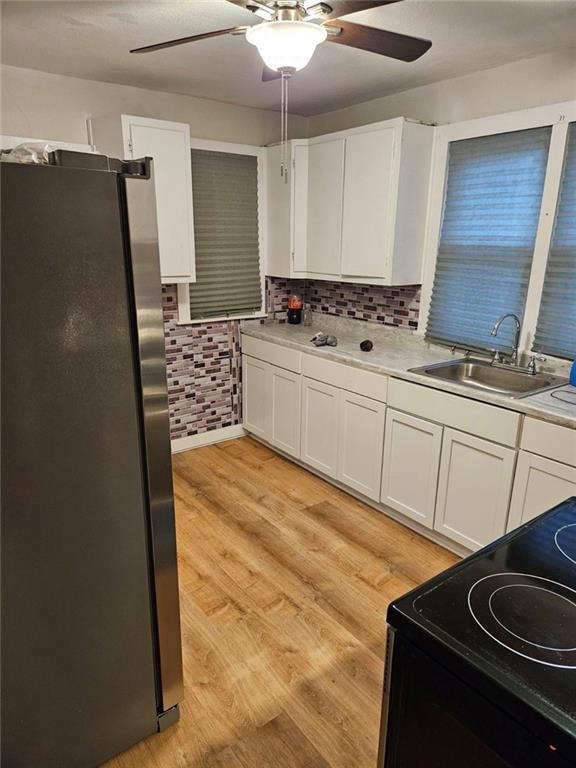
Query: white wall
45	106
42	105
546	79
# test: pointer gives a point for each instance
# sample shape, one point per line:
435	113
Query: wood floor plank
284	583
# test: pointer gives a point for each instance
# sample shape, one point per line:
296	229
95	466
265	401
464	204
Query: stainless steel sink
480	374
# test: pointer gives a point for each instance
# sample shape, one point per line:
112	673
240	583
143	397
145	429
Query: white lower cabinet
412	449
470	489
285	412
256	396
320	426
361	439
474	489
539	484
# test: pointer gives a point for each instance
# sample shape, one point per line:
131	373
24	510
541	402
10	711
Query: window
556	328
227	230
491	210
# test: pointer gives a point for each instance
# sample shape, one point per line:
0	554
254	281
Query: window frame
556	115
184	315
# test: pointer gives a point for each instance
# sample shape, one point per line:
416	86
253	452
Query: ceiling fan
289	32
291	29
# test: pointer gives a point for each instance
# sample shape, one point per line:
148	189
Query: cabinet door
278	203
361	441
474	489
320	422
539	485
285	410
324	210
169	145
411	465
367	224
256	396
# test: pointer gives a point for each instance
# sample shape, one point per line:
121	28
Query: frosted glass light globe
287	44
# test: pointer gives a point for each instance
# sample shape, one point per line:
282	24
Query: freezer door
78	656
145	264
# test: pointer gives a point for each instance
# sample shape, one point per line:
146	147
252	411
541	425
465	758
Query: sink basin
480	374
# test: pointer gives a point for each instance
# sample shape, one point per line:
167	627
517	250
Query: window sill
222	319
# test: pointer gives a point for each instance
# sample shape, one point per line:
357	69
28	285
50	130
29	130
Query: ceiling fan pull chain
286	74
282	127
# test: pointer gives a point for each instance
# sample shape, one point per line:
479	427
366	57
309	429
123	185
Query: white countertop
396	351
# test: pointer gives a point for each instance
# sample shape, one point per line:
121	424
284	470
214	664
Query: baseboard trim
207	438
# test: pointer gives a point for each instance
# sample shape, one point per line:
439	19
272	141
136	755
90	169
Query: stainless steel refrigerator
91	651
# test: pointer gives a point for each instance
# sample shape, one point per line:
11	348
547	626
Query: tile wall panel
203	370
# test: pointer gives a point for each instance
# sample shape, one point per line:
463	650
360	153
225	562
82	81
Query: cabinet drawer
283	357
480	419
365	383
549	440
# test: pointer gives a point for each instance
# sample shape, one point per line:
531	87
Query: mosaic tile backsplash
204	371
398	307
204	361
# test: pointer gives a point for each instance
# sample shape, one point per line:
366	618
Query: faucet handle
533	360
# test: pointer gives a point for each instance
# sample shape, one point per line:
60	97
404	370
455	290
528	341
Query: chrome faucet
496	328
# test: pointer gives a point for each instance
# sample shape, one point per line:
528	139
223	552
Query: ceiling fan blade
381	41
183	40
344	7
270	74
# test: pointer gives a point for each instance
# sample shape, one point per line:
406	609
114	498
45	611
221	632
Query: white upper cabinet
356	209
368	189
168	144
323	226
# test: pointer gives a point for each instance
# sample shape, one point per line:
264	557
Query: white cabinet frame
556	115
260	153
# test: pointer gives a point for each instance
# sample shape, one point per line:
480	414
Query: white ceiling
91	40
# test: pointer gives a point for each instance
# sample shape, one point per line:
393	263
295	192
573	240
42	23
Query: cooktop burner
512	608
565	540
528	615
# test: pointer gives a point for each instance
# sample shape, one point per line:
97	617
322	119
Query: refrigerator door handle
141	209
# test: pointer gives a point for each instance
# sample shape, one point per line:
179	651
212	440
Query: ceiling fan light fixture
286	44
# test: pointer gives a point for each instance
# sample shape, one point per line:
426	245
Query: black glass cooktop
511	609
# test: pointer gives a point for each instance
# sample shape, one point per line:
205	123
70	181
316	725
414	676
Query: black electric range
494	643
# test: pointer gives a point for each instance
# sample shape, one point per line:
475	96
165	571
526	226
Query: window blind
225	189
491	210
556	328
